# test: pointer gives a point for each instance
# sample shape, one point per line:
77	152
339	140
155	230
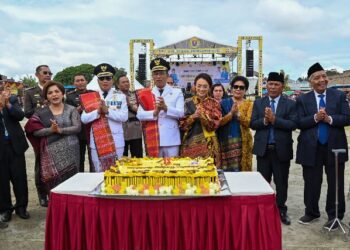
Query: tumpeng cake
162	176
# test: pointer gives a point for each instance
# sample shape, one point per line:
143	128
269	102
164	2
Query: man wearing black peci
322	114
274	118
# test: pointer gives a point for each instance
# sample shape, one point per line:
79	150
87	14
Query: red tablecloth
236	222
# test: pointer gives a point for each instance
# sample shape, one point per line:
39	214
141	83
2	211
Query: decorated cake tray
165	192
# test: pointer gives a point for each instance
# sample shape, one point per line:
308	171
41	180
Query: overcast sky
64	33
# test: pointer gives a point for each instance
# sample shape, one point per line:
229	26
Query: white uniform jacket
117	113
168	122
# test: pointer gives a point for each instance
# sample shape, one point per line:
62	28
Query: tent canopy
195	46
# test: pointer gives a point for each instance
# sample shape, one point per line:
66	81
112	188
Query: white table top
241	183
247	183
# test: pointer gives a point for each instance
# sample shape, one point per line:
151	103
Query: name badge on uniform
118	104
114	104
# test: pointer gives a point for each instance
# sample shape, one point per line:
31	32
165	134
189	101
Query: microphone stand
336	219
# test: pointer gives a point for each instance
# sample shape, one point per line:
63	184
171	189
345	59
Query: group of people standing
109	122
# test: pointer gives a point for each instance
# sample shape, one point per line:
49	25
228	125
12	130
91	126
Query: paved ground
29	234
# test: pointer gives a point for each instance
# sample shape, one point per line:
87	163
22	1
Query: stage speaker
249	63
142	68
214	63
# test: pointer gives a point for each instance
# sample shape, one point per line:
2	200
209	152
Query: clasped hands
160	105
198	112
269	117
54	127
102	108
234	109
5	99
131	105
322	115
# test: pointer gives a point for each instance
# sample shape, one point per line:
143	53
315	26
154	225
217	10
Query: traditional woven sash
147	101
212	113
48	171
105	145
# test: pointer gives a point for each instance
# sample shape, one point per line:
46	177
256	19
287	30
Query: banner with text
185	72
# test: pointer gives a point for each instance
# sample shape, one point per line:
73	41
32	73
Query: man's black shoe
43	202
306	219
329	225
22	212
3	225
285	218
6	216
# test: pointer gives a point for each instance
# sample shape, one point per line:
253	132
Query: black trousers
269	165
313	182
83	144
135	147
12	169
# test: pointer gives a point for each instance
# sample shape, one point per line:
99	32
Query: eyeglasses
107	78
239	87
47	73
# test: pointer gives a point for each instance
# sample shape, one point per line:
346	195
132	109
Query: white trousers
169	151
96	162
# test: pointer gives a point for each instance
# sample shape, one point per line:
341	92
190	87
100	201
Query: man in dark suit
274	119
73	98
322	115
13	166
33	100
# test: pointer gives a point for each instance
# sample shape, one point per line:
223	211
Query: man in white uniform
113	106
169	109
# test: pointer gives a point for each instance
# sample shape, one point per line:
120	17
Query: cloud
183	32
342	29
291	53
64	33
9	62
64	11
289	17
336	67
59	48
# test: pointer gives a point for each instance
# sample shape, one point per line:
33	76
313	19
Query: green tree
29	81
286	79
300	79
66	76
118	72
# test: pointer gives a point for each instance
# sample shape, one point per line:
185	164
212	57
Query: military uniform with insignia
33	100
73	99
